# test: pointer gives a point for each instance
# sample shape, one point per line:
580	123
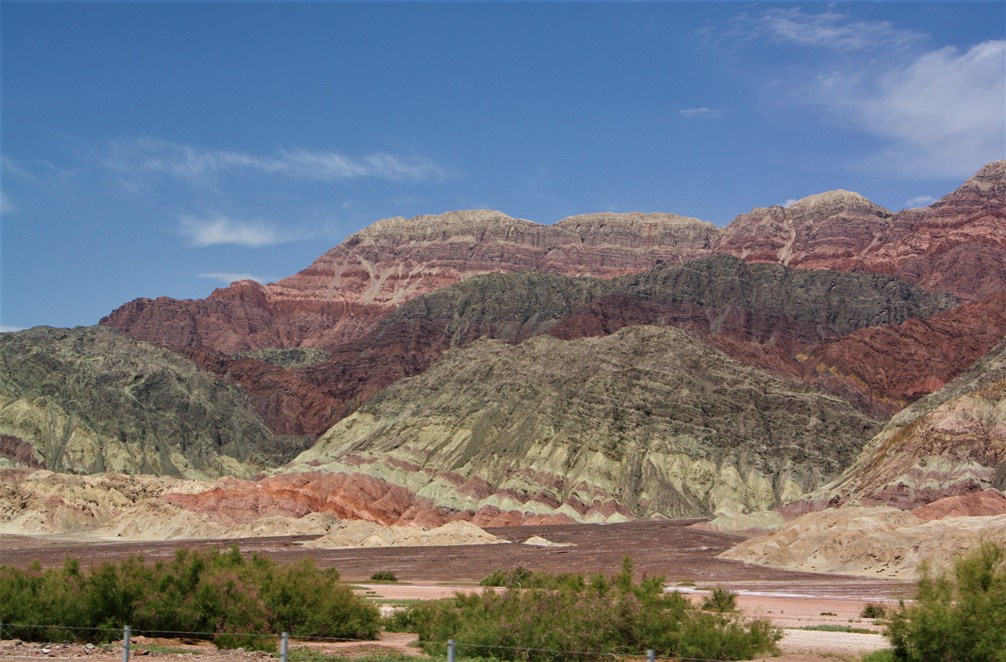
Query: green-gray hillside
647	419
91	400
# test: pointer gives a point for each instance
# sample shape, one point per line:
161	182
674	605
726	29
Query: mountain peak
833	201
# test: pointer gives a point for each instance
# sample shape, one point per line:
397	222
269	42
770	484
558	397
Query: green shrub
401	620
383	576
596	617
720	600
232	599
873	610
958	616
521	577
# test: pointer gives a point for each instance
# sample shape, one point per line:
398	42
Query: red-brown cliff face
348	289
823	231
886	368
956	245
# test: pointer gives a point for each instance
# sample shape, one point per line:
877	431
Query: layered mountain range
608	366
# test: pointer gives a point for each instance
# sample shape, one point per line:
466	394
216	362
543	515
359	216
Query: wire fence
450	647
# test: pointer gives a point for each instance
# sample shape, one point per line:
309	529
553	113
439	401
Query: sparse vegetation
958	616
586	619
827	627
383	576
223	596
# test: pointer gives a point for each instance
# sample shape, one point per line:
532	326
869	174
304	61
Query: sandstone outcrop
90	400
973	504
886	368
653	422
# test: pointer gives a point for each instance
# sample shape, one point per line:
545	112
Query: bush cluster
521	577
586	619
214	595
958	616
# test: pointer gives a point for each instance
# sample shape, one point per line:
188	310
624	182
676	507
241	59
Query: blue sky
162	149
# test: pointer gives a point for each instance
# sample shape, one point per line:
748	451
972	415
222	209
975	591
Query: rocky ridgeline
956	245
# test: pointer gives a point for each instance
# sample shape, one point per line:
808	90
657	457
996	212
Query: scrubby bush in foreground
958	616
220	595
585	620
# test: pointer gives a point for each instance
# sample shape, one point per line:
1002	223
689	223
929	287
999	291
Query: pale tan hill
877	541
370	534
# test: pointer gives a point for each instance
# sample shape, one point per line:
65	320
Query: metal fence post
450	650
651	655
284	646
125	644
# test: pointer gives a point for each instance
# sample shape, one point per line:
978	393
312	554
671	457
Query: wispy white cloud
789	202
919	201
228	278
702	113
939	114
828	29
6	206
10	329
199	165
934	113
222	230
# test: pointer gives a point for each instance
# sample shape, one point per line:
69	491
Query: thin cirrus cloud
702	113
228	278
199	165
828	29
940	114
222	230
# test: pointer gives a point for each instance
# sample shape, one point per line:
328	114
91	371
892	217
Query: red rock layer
984	503
346	496
287	401
888	367
957	245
